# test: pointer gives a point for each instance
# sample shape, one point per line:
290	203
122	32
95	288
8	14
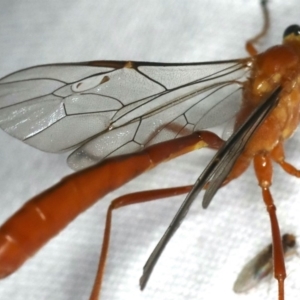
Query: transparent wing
108	108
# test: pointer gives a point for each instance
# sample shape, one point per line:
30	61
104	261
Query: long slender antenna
266	25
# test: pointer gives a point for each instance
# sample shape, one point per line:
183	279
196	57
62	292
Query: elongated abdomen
47	214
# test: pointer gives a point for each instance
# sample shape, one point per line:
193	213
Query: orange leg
212	141
279	157
264	172
134	198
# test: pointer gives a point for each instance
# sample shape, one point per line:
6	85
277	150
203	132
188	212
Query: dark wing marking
109	108
215	173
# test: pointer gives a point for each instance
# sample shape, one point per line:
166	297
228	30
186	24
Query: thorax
278	66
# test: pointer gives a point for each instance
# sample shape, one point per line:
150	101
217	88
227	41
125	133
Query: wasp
133	115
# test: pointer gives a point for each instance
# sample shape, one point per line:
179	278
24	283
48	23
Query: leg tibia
263	170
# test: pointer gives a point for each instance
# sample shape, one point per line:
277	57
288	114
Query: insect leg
211	140
134	198
264	172
279	157
250	48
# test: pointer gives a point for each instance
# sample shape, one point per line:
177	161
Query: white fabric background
210	248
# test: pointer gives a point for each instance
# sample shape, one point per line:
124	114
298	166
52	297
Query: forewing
109	108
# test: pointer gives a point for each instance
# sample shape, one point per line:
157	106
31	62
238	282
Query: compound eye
293	29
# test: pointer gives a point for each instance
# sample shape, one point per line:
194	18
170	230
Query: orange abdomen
47	214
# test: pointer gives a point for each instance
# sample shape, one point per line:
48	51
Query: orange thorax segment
278	65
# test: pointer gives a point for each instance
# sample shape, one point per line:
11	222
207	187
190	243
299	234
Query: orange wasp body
265	144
